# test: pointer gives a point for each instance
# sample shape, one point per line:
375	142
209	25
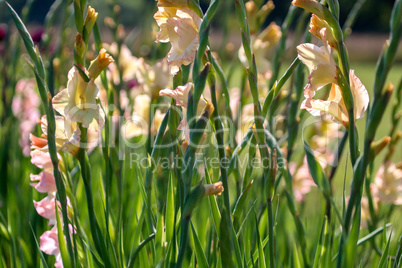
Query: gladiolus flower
153	78
180	94
180	27
301	181
320	63
387	185
25	107
335	105
213	189
78	101
44	182
49	242
42	160
46	208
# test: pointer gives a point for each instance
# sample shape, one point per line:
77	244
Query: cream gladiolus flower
335	105
180	27
320	63
78	101
153	78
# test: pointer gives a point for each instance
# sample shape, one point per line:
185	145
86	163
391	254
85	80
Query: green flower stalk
39	70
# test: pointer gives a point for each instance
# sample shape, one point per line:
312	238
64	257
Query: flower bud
316	25
99	64
213	189
251	13
265	11
378	146
311	6
90	19
79	48
173	3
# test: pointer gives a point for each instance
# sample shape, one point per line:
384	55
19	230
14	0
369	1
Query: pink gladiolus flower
49	242
180	27
44	182
42	160
180	94
25	107
302	181
387	185
46	208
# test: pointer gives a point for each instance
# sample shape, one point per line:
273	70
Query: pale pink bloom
78	101
387	185
301	180
42	160
180	27
320	63
44	182
234	101
49	242
180	94
25	107
335	105
47	208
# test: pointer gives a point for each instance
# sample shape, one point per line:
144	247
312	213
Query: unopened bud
99	64
116	9
251	13
109	22
388	90
209	109
378	146
265	11
311	6
79	48
213	189
316	25
172	3
271	34
120	32
90	19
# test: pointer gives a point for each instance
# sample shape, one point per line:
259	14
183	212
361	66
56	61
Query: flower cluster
324	70
44	182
